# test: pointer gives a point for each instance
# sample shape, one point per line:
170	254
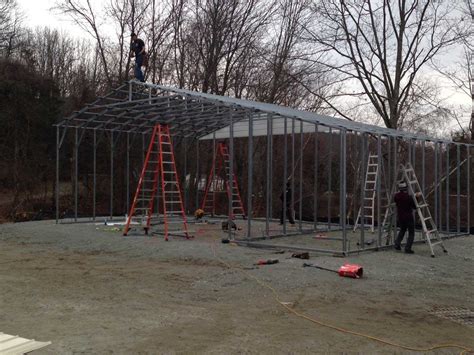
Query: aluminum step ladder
367	210
430	231
218	176
159	182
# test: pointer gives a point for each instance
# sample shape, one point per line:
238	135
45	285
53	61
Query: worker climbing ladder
159	178
367	209
221	166
430	231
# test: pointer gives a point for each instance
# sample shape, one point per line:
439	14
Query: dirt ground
91	291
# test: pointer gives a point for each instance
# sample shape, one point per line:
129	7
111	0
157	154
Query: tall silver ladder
430	231
367	210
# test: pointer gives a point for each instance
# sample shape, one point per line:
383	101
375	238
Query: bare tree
382	45
11	19
83	14
461	73
221	33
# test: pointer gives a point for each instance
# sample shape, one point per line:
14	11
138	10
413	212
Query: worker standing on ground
137	50
406	221
289	207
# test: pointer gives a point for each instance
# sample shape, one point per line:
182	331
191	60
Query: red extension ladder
159	176
222	159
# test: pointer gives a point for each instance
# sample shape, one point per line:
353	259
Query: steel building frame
133	109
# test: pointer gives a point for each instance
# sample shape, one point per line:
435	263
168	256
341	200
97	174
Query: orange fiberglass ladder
222	159
159	176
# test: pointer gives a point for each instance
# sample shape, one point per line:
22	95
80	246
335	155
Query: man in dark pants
137	50
289	207
405	206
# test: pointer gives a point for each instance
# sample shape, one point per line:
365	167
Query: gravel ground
89	290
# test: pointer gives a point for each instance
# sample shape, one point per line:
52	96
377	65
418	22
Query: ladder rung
423	205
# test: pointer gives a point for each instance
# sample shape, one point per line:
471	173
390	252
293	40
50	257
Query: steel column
395	176
458	188
436	182
57	174
94	172
271	167
301	179
198	178
364	163
468	162
76	172
292	174
128	172
214	177
447	190
440	195
268	173
316	169
329	162
250	177
423	165
143	163
285	172
112	147
231	172
343	189
186	181
378	193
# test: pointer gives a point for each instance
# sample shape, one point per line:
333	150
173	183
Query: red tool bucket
351	270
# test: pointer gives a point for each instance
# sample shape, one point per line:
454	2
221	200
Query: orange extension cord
464	350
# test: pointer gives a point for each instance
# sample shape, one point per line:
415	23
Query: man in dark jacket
289	207
137	50
405	206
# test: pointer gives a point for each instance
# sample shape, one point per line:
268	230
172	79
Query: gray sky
38	13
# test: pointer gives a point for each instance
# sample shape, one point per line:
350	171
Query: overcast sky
39	13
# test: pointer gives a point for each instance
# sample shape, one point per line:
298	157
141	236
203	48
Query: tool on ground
159	167
431	234
347	270
219	181
304	255
225	226
199	214
267	262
